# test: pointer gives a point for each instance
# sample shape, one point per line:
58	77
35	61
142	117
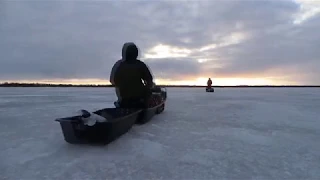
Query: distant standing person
209	83
130	76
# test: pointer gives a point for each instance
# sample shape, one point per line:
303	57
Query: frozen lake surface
230	134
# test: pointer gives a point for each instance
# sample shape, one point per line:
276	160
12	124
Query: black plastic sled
156	105
209	90
160	91
119	121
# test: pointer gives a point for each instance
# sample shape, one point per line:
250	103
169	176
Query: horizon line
35	84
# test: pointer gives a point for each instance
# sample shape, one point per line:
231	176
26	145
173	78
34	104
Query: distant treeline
12	84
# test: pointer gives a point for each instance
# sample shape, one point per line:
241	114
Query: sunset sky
235	42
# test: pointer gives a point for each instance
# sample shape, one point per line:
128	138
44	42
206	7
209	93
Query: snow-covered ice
247	133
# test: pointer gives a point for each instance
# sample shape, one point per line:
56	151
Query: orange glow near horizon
201	81
221	81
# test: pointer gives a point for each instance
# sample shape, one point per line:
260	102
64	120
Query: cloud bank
179	40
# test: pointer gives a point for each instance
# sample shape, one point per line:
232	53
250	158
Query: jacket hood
129	51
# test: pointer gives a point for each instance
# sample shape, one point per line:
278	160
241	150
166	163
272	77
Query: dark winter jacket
131	76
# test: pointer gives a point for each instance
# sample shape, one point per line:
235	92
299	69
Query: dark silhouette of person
209	83
131	77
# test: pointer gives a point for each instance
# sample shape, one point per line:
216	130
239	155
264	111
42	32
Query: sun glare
219	81
166	51
234	81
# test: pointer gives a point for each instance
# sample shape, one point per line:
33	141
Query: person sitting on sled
131	77
209	83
